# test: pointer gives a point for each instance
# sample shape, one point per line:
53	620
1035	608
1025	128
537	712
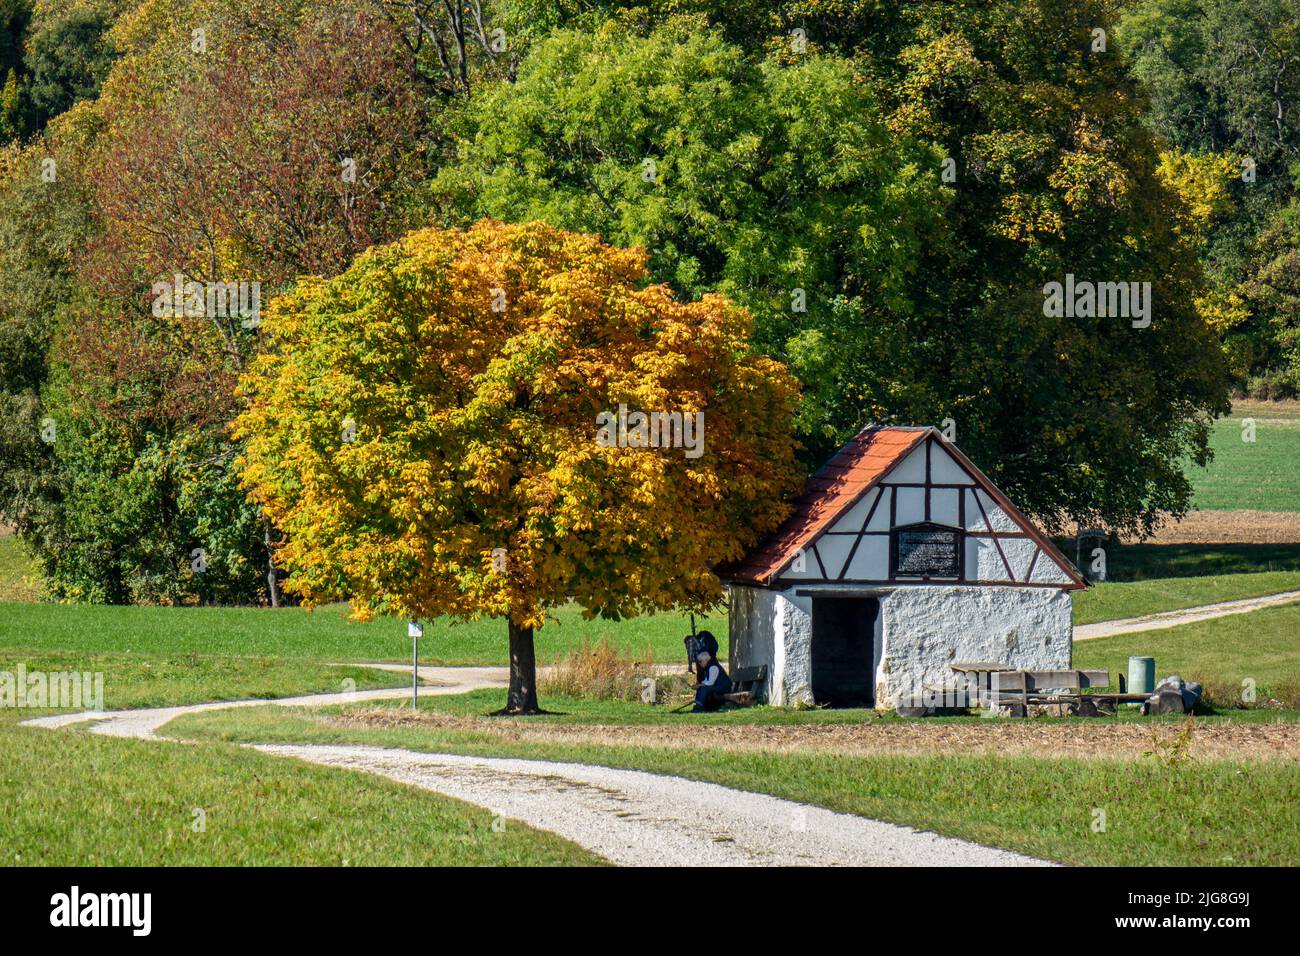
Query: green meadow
1259	475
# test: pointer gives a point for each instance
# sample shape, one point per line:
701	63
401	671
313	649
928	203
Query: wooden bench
744	685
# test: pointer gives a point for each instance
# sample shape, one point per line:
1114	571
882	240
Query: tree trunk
523	672
272	573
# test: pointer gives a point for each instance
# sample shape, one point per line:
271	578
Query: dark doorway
843	643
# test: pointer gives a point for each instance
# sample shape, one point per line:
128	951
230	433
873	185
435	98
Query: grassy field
1262	645
1152	579
1031	795
1259	475
79	798
324	634
143	680
1111	601
1217	813
75	799
71	798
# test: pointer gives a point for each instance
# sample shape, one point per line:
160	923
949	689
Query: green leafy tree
1271	287
778	186
37	281
1222	80
284	148
69	53
824	170
15	17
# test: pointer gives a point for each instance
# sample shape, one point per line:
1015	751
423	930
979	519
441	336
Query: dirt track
1045	737
1231	527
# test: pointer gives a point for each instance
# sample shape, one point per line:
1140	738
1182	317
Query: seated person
712	683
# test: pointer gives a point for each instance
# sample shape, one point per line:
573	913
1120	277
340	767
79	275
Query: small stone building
900	559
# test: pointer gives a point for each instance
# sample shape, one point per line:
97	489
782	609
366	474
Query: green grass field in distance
1109	601
1144	579
324	634
72	798
1260	475
155	680
1156	814
1263	645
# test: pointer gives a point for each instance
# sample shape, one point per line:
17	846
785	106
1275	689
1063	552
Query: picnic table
1001	684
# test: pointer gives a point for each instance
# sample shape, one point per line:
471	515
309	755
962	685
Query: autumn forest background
911	173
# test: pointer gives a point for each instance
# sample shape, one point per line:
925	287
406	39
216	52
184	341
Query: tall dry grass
602	671
1227	695
597	671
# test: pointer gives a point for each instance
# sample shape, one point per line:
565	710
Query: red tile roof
829	493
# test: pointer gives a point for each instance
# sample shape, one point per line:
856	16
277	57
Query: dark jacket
714	676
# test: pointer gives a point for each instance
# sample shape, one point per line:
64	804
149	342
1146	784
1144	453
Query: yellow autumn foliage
423	430
1202	184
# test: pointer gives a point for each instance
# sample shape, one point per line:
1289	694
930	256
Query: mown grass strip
77	799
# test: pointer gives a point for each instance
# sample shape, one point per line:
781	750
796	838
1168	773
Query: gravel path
145	722
627	816
1155	622
643	819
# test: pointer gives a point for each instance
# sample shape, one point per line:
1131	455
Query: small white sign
413	629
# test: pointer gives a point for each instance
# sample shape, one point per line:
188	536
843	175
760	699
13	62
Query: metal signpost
415	632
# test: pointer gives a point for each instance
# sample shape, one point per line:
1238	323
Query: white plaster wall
920	632
912	468
751	627
928	628
909	506
853	519
944	468
1048	571
1020	554
999	520
944	506
871	560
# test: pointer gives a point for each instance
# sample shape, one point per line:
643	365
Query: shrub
1274	386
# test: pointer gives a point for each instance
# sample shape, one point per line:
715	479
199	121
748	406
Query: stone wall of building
920	632
927	629
752	628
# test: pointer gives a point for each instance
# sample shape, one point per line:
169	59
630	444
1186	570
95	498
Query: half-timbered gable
931	517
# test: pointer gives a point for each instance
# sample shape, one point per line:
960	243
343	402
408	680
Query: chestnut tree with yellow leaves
431	434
